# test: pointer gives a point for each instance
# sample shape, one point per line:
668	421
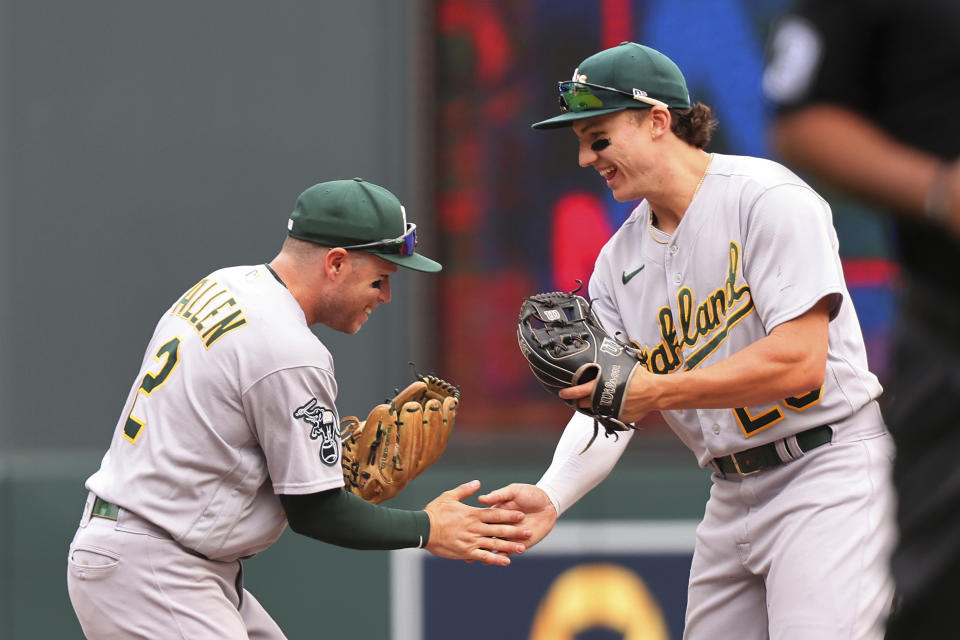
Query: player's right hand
531	500
463	532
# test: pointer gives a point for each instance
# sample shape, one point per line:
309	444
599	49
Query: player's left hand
582	392
639	399
399	439
463	532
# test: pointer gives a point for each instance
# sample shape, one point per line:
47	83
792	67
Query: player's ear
659	120
335	262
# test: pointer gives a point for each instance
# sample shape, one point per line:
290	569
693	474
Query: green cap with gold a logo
347	213
638	76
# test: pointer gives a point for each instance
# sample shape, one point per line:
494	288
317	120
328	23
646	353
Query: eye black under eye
600	144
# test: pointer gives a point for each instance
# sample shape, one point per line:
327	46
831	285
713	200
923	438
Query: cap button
358	179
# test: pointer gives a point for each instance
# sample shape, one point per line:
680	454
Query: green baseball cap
356	214
627	76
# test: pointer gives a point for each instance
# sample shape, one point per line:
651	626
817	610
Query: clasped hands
518	517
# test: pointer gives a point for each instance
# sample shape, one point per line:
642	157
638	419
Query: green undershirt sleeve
341	518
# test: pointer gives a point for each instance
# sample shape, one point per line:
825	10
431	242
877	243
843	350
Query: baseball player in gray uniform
231	431
727	278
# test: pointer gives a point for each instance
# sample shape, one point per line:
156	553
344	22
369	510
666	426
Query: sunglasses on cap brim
584	96
404	245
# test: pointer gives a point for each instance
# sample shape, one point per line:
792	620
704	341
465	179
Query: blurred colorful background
516	213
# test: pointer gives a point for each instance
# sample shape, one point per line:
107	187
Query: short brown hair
694	125
301	249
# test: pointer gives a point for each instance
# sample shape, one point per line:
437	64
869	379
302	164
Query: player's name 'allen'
211	309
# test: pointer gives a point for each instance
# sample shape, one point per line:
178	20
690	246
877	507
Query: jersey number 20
753	424
170	354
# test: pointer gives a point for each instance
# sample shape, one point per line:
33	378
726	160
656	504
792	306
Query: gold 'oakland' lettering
210	302
665	357
702	320
713	318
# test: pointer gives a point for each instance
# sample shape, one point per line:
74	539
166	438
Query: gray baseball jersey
233	404
803	546
755	248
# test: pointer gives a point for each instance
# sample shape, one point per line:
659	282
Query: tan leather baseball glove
399	439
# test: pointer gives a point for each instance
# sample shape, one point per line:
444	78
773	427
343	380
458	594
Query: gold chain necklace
699	184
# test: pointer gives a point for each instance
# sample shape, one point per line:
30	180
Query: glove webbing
557	335
375	445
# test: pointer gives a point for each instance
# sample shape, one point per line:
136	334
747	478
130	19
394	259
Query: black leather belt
104	509
765	456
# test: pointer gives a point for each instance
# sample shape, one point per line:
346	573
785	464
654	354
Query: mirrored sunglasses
583	96
404	245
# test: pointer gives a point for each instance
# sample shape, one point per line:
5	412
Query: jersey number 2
170	354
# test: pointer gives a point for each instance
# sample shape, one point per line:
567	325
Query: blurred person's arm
845	150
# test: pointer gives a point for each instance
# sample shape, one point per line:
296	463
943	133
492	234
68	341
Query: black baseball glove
565	345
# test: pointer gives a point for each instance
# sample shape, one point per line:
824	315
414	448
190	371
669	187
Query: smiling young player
727	279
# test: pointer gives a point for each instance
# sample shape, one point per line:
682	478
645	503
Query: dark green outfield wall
301	582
